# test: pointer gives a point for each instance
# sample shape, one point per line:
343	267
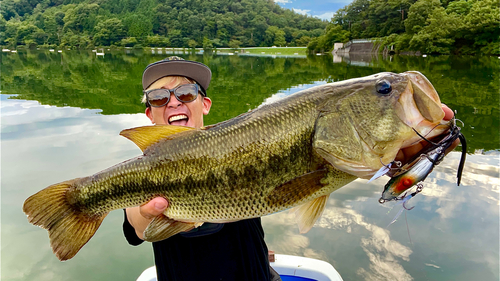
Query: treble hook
385	169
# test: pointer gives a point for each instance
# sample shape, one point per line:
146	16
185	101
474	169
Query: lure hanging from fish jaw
385	169
422	166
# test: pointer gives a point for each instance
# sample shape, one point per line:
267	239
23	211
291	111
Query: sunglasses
183	93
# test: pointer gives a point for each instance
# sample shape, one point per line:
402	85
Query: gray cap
176	66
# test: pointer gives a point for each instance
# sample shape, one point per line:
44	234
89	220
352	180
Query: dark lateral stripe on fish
226	180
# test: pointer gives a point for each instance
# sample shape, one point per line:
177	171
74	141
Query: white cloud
300	11
326	16
282	1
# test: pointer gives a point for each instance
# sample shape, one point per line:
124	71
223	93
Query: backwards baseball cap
176	66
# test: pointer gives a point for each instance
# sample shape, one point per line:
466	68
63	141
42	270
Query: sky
323	9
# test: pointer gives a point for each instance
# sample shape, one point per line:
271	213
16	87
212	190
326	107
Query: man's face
175	112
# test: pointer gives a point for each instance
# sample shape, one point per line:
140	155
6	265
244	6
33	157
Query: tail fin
69	228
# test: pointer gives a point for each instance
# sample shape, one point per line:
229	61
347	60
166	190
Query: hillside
428	26
165	23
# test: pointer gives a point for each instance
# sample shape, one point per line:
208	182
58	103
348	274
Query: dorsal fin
145	136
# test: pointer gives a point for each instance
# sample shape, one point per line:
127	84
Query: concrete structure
359	46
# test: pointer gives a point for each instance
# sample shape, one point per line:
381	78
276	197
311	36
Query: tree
461	7
138	25
30	34
483	21
108	32
129	42
279	38
418	14
274	36
234	44
156	41
437	36
333	34
192	43
207	44
175	38
81	18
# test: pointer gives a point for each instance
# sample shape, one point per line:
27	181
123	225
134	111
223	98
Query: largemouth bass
293	152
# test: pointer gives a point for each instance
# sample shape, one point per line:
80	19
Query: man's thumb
154	208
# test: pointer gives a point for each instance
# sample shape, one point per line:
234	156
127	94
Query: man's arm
140	217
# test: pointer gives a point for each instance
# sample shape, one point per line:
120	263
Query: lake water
60	118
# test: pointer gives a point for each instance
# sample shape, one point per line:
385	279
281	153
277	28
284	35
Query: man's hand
140	217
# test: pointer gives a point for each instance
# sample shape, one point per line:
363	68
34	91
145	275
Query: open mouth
178	120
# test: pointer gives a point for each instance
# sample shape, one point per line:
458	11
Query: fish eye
383	87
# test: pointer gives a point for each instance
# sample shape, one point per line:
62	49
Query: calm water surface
60	119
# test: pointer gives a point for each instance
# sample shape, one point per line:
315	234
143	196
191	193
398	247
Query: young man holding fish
175	95
211	252
292	153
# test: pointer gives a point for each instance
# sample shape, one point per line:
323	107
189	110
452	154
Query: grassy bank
284	51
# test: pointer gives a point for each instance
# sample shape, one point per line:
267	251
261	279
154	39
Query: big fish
290	153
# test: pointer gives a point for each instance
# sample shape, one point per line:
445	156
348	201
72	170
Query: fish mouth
419	107
420	101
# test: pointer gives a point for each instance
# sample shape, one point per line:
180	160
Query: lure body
422	166
420	170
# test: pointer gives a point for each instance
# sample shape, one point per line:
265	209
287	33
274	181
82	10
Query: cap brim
191	69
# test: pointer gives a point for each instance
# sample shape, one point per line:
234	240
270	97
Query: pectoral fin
163	227
145	136
309	213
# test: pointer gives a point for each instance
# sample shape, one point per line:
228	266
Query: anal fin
308	213
162	227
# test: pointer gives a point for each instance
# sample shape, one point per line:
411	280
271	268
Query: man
175	94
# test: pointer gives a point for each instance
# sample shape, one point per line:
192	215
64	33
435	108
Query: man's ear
207	103
149	114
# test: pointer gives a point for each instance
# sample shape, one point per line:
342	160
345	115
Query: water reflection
64	123
450	227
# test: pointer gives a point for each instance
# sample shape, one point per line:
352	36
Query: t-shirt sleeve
129	232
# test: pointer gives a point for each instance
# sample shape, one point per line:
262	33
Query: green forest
429	26
154	23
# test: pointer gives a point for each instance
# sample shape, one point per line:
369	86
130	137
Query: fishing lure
403	203
422	166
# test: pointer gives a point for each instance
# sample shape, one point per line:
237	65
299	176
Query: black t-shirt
231	251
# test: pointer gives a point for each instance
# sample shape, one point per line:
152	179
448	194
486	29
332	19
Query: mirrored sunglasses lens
158	97
187	93
158	103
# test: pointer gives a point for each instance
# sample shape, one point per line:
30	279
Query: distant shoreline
264	51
